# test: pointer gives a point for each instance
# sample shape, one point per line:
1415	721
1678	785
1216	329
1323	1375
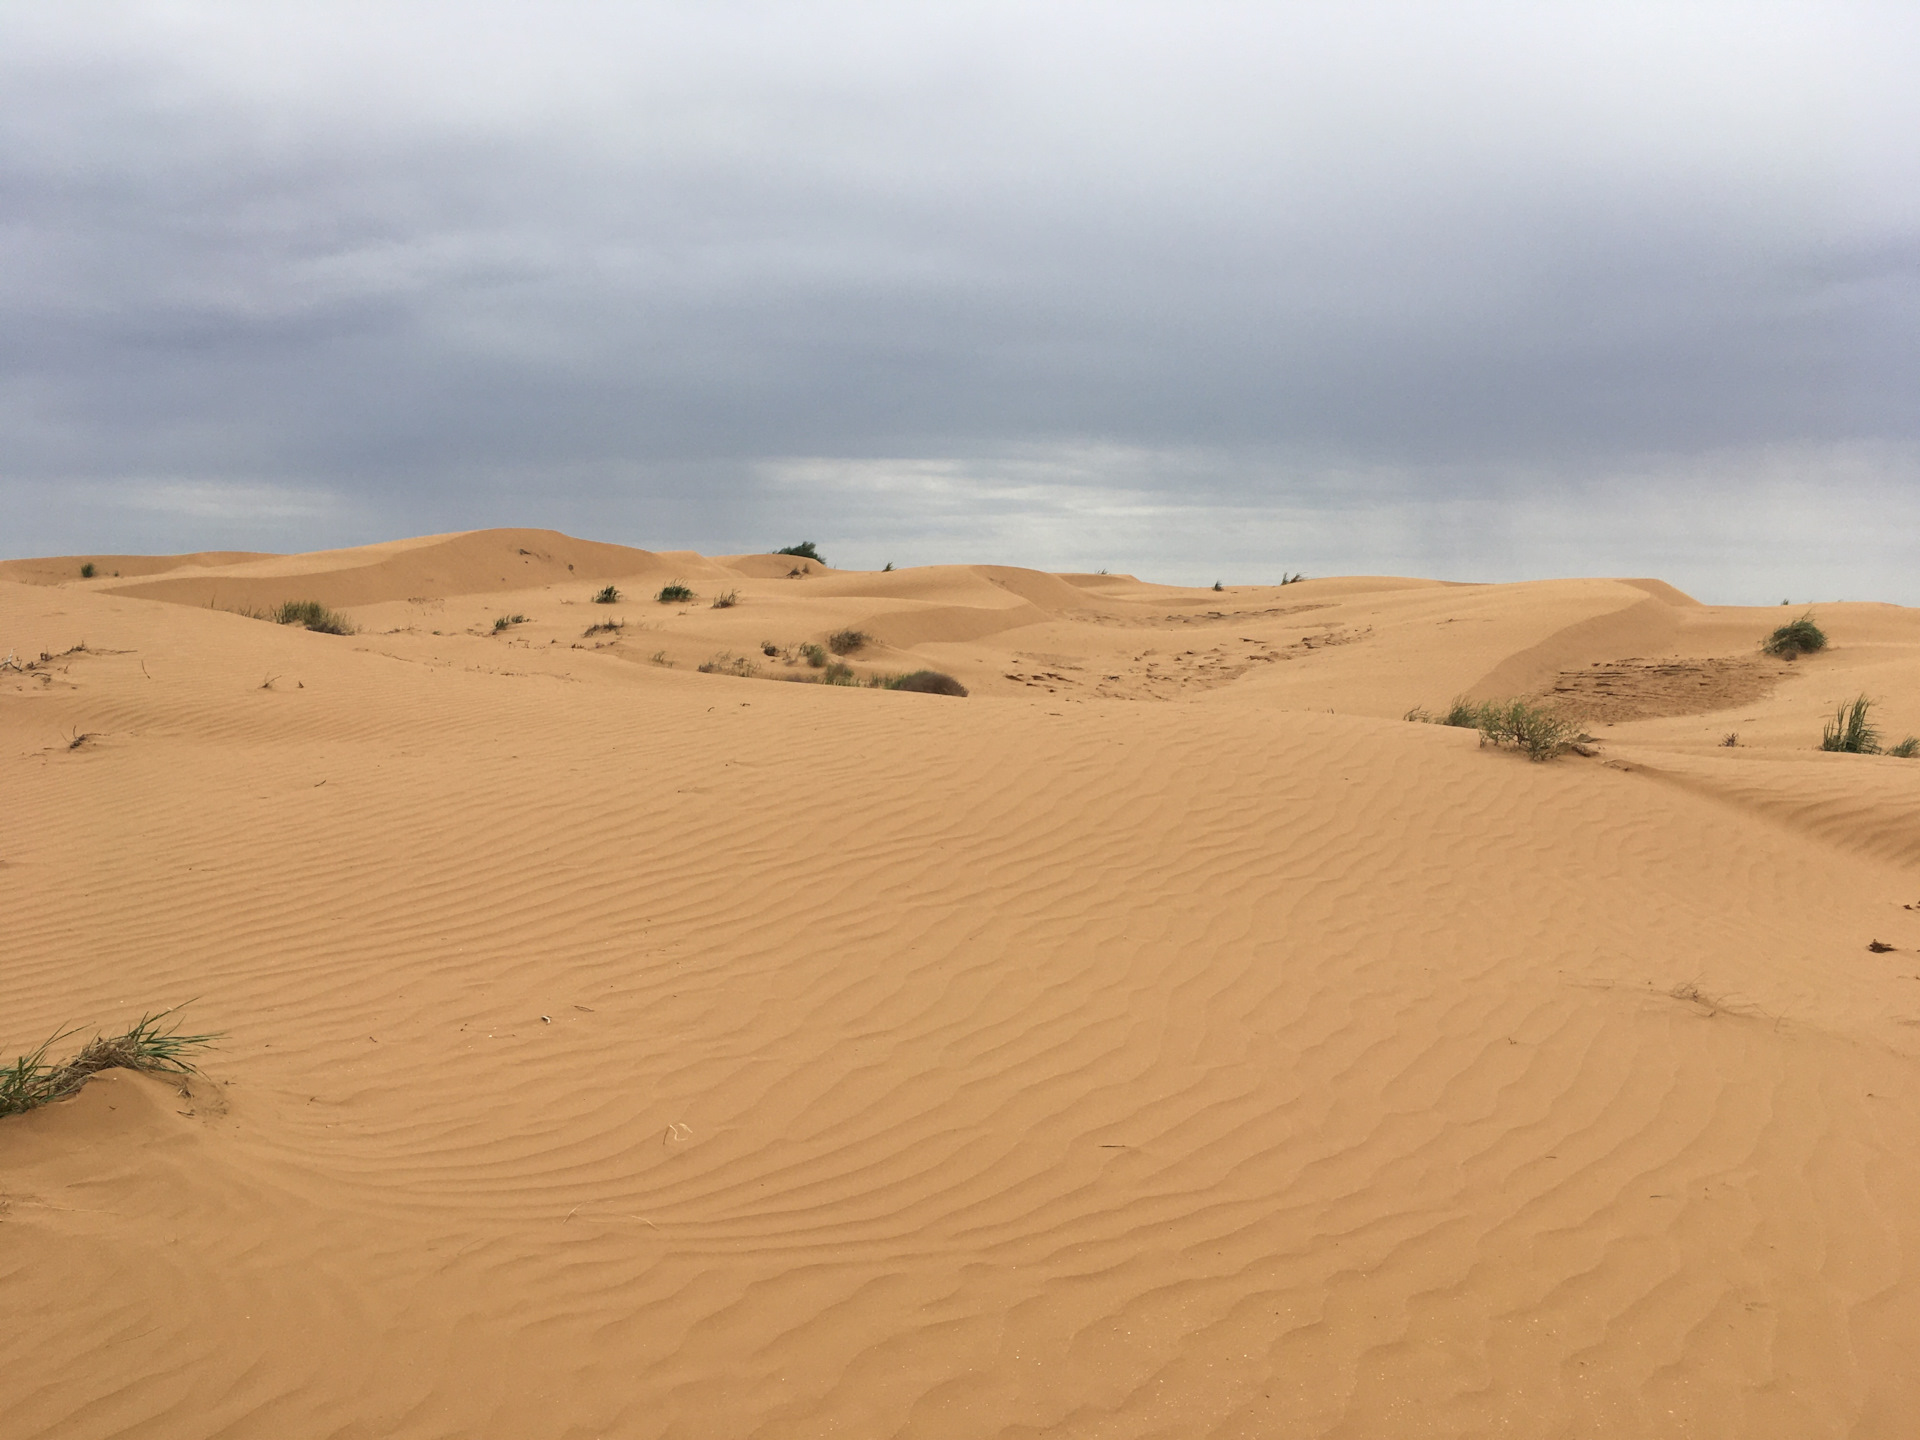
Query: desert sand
1166	1040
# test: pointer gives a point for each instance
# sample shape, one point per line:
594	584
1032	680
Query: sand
1166	1040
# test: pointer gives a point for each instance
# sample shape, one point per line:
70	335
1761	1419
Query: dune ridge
1168	1040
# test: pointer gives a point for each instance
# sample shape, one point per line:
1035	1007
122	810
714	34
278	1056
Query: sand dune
1167	1040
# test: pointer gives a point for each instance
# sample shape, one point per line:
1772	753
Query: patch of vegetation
501	622
607	595
1850	731
925	682
1796	638
1731	739
887	569
816	655
724	664
674	594
1218	586
603	628
32	1081
1525	726
87	571
659	657
847	642
1462	713
838	674
805	550
1907	749
1286	579
769	649
313	615
726	601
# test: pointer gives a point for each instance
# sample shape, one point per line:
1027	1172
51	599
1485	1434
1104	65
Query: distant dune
1168	1039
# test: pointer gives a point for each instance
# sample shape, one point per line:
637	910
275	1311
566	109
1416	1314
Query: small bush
673	594
87	572
503	621
804	550
31	1081
607	595
1850	731
887	569
837	674
1907	748
816	655
847	642
604	627
724	664
313	615
726	601
1531	728
769	649
1218	586
927	682
1463	715
1796	637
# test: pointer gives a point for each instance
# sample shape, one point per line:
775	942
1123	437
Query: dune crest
1167	1039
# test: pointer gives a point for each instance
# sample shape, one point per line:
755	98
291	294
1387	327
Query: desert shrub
927	682
1286	579
804	550
501	622
607	595
769	649
1419	715
659	657
1532	728
1218	586
724	664
1850	731
726	601
87	571
1796	637
31	1081
673	593
837	674
816	655
1906	749
887	569
1731	739
313	615
604	627
846	642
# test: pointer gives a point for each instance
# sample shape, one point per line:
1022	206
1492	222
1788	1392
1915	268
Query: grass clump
847	642
607	595
1907	749
502	622
1524	726
605	627
674	594
805	550
313	615
1796	638
32	1081
87	571
1851	731
725	664
838	673
925	682
726	601
659	657
816	655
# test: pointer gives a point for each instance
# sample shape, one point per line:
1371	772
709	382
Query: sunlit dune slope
1168	1039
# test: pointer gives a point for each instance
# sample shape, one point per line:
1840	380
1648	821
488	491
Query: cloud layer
701	275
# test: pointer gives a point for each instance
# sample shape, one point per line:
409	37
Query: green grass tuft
804	550
674	594
726	601
32	1081
816	655
607	595
725	664
313	615
87	571
847	642
838	673
1796	637
1850	731
603	628
503	621
1906	749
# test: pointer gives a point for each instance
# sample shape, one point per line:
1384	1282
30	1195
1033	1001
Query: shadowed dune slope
616	1049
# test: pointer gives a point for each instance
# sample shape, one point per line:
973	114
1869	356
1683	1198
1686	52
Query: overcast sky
1191	289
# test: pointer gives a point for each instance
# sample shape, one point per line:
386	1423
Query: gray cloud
700	276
